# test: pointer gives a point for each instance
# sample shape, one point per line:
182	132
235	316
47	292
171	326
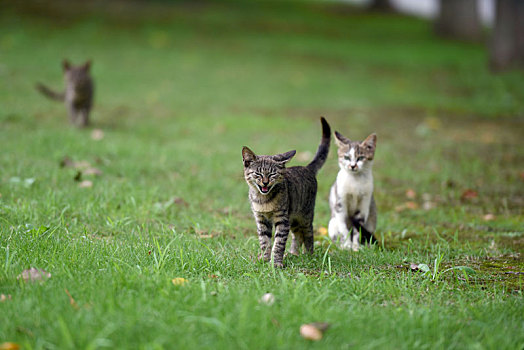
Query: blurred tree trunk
459	19
507	40
381	5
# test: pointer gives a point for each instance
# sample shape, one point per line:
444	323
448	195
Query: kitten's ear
370	142
66	65
87	65
248	156
341	140
284	157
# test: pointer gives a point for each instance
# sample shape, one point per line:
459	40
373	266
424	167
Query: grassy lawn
179	90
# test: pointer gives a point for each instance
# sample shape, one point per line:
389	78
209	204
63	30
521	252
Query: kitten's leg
296	243
72	114
339	232
361	226
355	239
264	228
281	233
309	239
83	117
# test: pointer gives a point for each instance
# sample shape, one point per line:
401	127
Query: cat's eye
360	158
346	157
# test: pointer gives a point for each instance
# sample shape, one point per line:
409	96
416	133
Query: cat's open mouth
263	189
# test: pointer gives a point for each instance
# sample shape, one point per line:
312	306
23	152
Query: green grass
180	90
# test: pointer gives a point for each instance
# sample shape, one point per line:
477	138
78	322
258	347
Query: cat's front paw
347	245
279	265
358	218
264	257
292	252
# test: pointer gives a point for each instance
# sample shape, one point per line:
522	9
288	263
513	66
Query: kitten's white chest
354	189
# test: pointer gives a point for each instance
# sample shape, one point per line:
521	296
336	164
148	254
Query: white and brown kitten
284	198
353	211
78	95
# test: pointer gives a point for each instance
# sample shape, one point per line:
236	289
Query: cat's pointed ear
341	140
66	65
248	156
370	142
87	65
284	157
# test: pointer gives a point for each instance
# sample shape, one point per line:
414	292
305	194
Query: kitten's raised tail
323	148
50	93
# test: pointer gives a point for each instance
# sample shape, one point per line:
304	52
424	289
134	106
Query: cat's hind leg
297	241
309	239
83	118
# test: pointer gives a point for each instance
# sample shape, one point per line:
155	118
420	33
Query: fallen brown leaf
85	184
489	217
322	231
268	299
97	134
4	297
71	300
411	194
92	171
9	346
469	194
179	281
406	206
33	274
180	201
313	331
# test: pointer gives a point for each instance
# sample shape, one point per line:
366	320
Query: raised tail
50	93
323	148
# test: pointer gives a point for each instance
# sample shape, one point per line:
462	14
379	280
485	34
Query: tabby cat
78	96
353	211
284	197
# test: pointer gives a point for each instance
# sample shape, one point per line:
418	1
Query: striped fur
284	198
78	96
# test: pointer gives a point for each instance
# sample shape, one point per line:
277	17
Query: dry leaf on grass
489	217
313	331
406	206
71	300
411	194
9	346
33	274
322	231
469	194
268	299
4	297
179	281
85	184
92	171
419	267
180	201
97	134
